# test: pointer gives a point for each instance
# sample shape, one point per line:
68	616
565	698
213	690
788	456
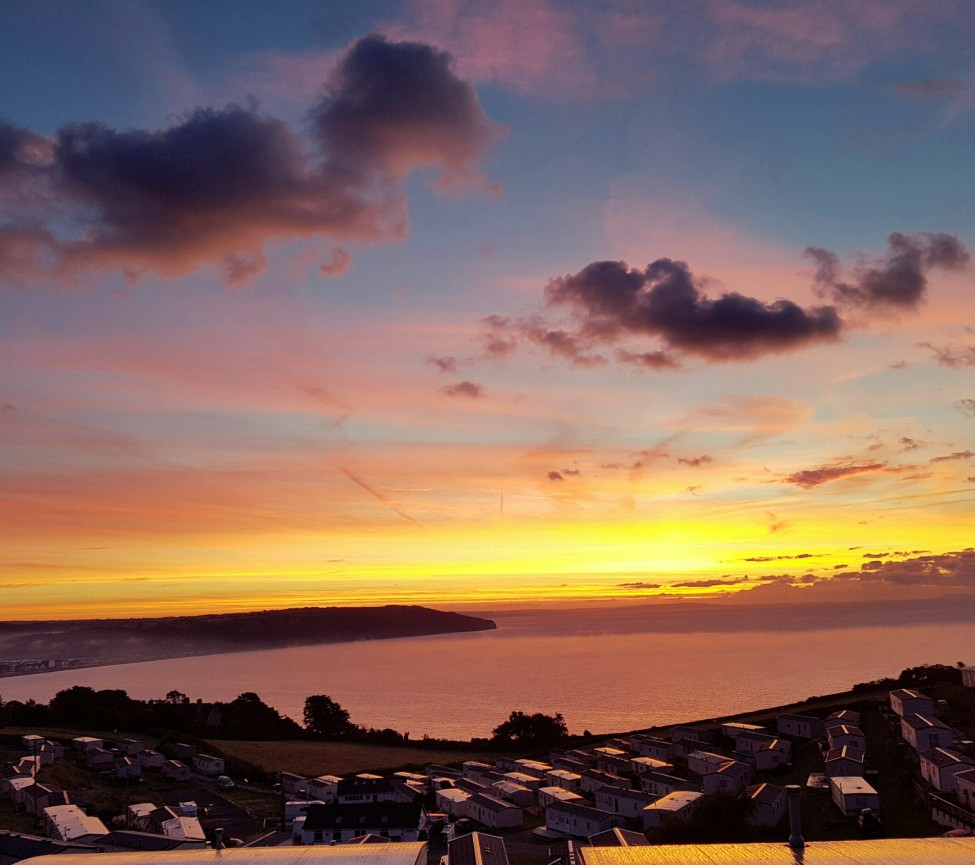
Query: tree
537	731
326	718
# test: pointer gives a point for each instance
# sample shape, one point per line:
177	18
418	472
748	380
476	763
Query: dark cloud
953	357
899	280
809	478
555	476
695	461
909	444
217	186
463	389
779	558
957	455
708	584
944	570
965	406
443	364
638	585
609	301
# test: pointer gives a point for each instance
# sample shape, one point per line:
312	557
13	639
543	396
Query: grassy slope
339	758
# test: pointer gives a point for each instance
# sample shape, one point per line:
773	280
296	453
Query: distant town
868	763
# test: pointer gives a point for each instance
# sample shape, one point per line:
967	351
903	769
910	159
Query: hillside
105	641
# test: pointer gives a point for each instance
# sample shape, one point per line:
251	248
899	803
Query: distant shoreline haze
96	642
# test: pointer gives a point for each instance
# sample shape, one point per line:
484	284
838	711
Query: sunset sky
457	302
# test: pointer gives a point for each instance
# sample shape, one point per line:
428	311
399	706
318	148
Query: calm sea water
604	672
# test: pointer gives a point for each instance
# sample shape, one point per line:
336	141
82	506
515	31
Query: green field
340	758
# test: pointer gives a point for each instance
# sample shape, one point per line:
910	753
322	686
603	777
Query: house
642	765
939	766
566	780
324	824
658	749
137	815
175	771
175	825
127	767
100	758
799	726
32	742
469	785
297	808
579	821
571	764
613	760
593	779
703	762
626	803
683	731
749	742
477	848
17	790
844	716
618	838
529	781
658	784
730	777
46	796
514	793
968	677
56	749
844	761
853	794
924	732
769	804
70	823
733	729
293	785
130	747
87	743
182	751
768	759
904	701
843	735
548	795
535	768
674	806
150	759
965	788
480	771
323	787
452	802
493	812
208	764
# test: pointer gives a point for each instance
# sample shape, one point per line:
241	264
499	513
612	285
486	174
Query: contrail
378	495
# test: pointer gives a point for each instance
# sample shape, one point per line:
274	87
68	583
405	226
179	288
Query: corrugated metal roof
406	853
885	851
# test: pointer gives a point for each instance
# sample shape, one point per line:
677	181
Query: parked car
224	782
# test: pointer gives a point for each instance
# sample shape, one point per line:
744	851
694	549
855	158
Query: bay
605	671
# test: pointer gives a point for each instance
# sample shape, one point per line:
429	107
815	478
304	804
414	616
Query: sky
464	303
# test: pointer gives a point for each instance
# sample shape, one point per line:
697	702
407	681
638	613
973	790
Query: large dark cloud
610	300
218	185
809	478
898	280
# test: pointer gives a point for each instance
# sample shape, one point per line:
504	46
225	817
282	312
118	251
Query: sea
607	670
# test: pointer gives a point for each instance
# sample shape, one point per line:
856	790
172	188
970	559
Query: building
799	726
548	795
939	766
658	749
477	848
844	735
965	788
704	762
579	821
514	793
493	812
904	701
325	824
452	802
642	765
768	803
627	803
852	795
844	761
175	770
571	781
730	777
673	806
968	677
924	732
658	784
70	823
208	764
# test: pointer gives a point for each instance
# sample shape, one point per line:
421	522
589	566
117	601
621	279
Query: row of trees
245	717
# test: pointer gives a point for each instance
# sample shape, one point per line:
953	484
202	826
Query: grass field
339	758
